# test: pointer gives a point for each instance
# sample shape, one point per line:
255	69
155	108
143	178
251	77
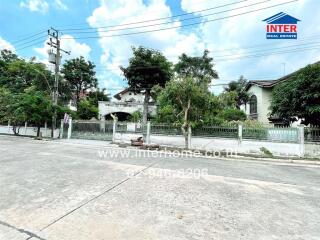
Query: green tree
98	95
80	75
31	105
86	110
183	99
200	68
239	87
299	96
146	69
231	114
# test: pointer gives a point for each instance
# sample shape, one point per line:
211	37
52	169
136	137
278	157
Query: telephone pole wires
55	58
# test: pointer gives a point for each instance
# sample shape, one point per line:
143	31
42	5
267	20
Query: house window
253	104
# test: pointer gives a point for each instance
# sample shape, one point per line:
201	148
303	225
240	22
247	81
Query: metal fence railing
92	130
216	131
165	129
312	134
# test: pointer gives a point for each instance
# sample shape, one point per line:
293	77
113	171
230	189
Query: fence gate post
240	130
9	126
301	140
189	137
25	128
61	128
114	130
148	132
70	128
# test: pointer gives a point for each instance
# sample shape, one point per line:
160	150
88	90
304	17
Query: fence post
61	128
25	128
70	128
114	130
148	132
9	125
45	129
240	131
301	140
189	137
103	125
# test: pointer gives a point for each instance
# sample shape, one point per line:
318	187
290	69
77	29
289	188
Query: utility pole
55	58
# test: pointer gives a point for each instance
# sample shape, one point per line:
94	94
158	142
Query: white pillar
189	137
301	140
61	128
148	132
45	129
114	130
25	128
9	126
240	130
70	128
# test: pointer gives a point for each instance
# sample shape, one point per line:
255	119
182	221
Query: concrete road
74	191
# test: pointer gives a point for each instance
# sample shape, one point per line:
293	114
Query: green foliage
200	68
79	75
299	96
228	99
98	95
239	87
146	69
87	110
230	114
135	117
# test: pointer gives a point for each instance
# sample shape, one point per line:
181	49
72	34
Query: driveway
94	190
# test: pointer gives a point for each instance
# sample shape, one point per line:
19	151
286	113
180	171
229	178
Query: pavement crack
21	230
101	194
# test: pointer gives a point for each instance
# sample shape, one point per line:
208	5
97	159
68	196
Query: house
127	102
258	106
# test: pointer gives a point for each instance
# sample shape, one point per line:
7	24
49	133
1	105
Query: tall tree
200	68
299	96
81	76
239	87
184	100
146	69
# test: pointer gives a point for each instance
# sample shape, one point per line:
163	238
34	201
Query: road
54	190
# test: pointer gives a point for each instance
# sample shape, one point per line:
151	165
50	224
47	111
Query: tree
31	105
87	110
81	76
146	69
239	87
231	114
200	68
299	96
183	98
98	95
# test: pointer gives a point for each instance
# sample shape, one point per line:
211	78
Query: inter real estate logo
281	26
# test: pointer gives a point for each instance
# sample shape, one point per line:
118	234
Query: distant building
127	103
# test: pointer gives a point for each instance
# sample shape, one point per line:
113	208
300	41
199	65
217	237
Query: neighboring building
260	99
260	92
127	103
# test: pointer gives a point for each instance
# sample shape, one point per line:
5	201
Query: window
253	104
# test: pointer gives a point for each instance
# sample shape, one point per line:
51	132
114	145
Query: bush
87	110
231	114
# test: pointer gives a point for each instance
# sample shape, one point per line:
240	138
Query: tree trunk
38	130
185	124
145	107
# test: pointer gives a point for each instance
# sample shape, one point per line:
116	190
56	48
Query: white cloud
248	30
35	5
117	50
68	43
42	5
60	5
6	45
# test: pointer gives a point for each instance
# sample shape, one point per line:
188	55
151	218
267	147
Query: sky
103	31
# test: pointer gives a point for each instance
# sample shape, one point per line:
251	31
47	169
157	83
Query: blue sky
237	44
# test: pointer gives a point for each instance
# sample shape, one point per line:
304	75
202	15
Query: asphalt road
70	191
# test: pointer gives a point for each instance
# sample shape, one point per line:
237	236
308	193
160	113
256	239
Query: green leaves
299	96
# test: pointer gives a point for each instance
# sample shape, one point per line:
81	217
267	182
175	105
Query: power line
30	41
156	11
186	25
31	45
29	36
163	18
